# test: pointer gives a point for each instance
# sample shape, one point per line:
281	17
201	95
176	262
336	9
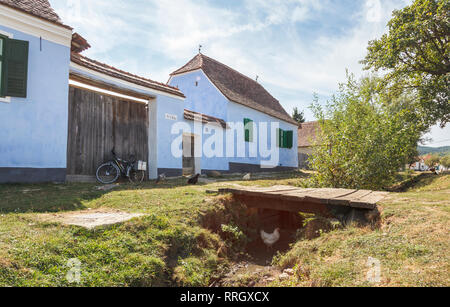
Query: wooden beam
297	197
283	205
107	86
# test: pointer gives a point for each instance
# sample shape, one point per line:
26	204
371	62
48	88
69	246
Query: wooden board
97	124
339	197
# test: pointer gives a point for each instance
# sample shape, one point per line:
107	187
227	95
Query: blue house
62	113
34	59
268	140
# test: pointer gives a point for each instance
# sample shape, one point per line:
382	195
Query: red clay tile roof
237	87
307	133
38	8
191	115
79	43
123	75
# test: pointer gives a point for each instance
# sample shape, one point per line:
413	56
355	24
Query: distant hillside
434	150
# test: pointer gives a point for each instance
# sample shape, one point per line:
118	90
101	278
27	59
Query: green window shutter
280	138
16	68
248	126
289	139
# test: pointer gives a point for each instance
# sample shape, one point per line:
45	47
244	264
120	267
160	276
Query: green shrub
235	237
361	143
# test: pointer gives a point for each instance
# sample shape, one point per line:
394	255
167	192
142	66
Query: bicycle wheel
136	176
108	173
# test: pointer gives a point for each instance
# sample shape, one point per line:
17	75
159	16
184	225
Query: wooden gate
97	124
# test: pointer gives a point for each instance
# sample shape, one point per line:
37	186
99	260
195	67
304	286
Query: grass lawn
412	244
169	247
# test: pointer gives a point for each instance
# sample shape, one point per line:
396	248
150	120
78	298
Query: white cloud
317	65
268	38
304	9
438	137
260	37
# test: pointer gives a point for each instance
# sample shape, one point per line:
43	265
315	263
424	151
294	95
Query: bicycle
109	172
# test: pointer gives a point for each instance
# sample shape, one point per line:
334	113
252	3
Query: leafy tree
298	116
432	161
366	142
445	161
415	53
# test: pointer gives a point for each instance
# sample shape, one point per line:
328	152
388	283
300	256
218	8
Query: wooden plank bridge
327	202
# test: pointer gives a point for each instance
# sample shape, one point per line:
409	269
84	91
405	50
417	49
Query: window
289	139
13	67
285	139
280	140
248	126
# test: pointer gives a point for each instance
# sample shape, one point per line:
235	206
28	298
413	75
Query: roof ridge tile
37	8
81	59
237	87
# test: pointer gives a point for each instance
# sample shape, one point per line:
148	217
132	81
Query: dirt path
257	270
248	274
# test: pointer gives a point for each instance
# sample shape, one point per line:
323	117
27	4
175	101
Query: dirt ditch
250	260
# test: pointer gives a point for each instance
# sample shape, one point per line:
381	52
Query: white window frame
6	99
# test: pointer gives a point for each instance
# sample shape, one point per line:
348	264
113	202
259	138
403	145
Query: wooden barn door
97	124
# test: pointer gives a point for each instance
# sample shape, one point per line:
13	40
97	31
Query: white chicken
161	178
270	239
247	177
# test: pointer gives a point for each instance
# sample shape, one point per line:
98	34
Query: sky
295	47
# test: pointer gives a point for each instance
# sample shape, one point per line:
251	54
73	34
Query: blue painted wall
287	157
208	163
204	98
165	138
33	130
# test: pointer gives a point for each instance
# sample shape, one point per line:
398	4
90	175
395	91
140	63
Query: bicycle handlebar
131	160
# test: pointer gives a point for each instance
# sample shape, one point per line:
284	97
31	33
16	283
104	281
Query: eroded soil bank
250	263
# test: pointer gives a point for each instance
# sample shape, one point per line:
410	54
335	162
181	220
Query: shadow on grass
48	198
28	198
416	182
